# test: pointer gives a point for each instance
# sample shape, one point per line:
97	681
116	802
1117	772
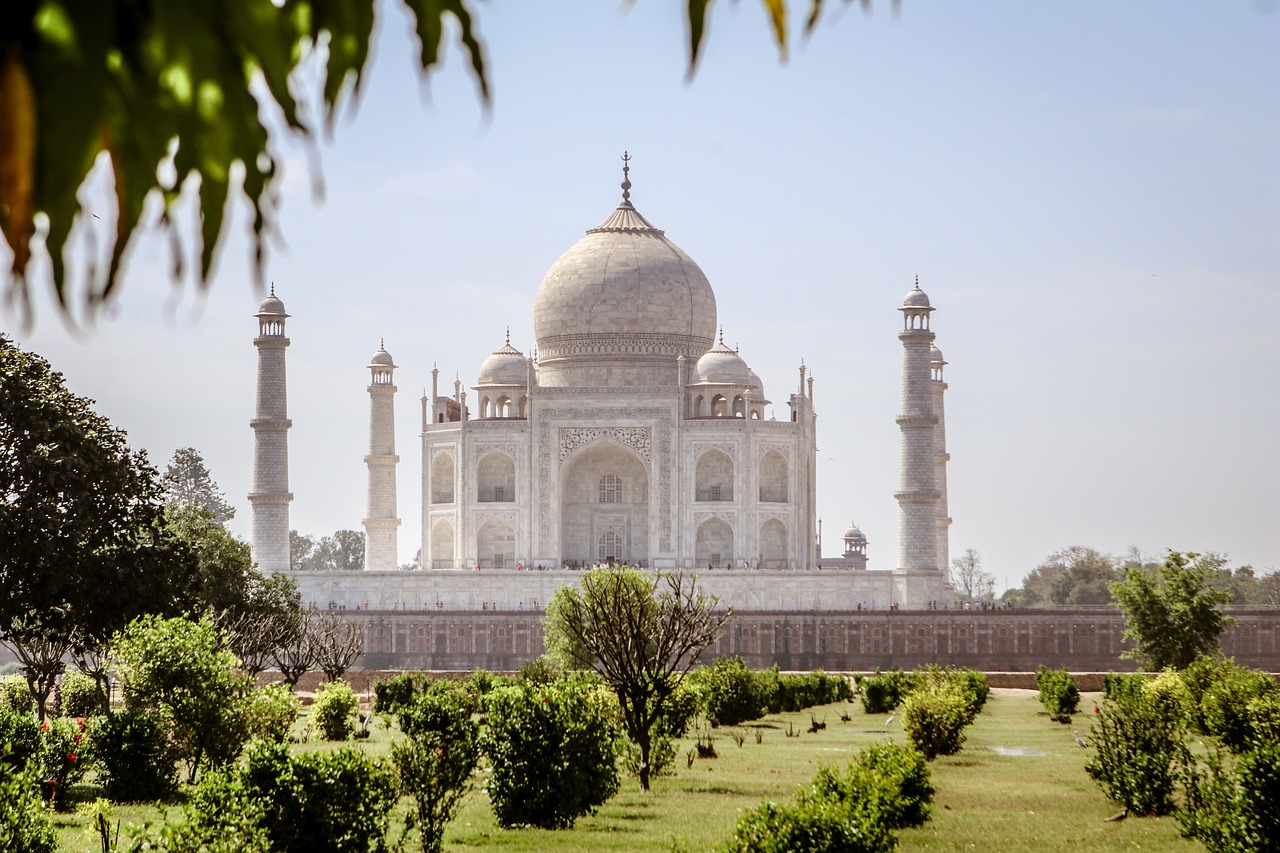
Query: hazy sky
1089	192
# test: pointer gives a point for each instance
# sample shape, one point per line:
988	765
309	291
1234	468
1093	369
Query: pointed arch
773	478
495	478
442	551
773	545
713	477
442	479
714	544
496	545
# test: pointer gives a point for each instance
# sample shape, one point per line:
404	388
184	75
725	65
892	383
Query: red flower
44	727
80	723
72	757
76	738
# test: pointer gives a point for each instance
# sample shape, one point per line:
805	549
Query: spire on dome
625	218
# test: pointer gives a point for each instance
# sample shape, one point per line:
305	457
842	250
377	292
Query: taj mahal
630	434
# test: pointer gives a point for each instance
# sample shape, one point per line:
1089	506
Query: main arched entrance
604	506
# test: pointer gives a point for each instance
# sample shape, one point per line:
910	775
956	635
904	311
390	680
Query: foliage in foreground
25	826
1229	804
885	788
1138	742
334	710
436	759
553	750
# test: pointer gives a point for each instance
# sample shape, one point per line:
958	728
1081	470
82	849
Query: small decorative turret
381	549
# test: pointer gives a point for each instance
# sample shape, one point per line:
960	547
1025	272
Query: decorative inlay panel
639	439
726	447
729	518
479	450
510	517
783	449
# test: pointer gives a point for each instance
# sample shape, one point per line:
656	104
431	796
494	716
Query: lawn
1018	784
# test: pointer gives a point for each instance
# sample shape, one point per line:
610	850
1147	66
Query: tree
187	482
83	543
341	552
971	582
183	670
267	621
173	96
224	563
1070	576
337	643
642	632
414	564
301	549
1172	612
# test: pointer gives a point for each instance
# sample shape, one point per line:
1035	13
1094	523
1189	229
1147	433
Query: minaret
918	491
381	552
941	457
270	496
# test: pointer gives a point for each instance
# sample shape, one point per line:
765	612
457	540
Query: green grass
984	801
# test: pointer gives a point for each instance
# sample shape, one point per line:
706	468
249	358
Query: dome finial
722	335
382	343
626	179
917	281
273	288
508	336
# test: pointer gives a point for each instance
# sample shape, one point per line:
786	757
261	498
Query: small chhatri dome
506	366
621	305
854	534
381	358
271	306
916	298
935	356
723	366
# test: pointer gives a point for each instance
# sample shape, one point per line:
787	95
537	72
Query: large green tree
642	632
83	542
187	482
1069	576
1172	612
174	95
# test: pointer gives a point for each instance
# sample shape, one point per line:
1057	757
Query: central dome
621	306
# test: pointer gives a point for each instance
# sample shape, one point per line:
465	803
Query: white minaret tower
270	496
918	490
942	457
381	552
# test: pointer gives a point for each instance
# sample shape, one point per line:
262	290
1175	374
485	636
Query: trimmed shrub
970	684
1169	693
1229	805
1137	743
883	692
80	697
19	737
541	670
553	750
334	710
886	787
1058	693
436	759
25	826
15	695
804	690
483	681
135	757
1116	686
271	712
222	815
390	694
890	780
317	802
64	757
1224	705
1264	719
731	693
809	825
934	719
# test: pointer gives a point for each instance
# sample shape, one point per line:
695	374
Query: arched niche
713	477
442	553
496	545
773	545
495	478
442	479
713	547
773	478
604	487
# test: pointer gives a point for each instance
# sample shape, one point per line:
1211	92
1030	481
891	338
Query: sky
1089	193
